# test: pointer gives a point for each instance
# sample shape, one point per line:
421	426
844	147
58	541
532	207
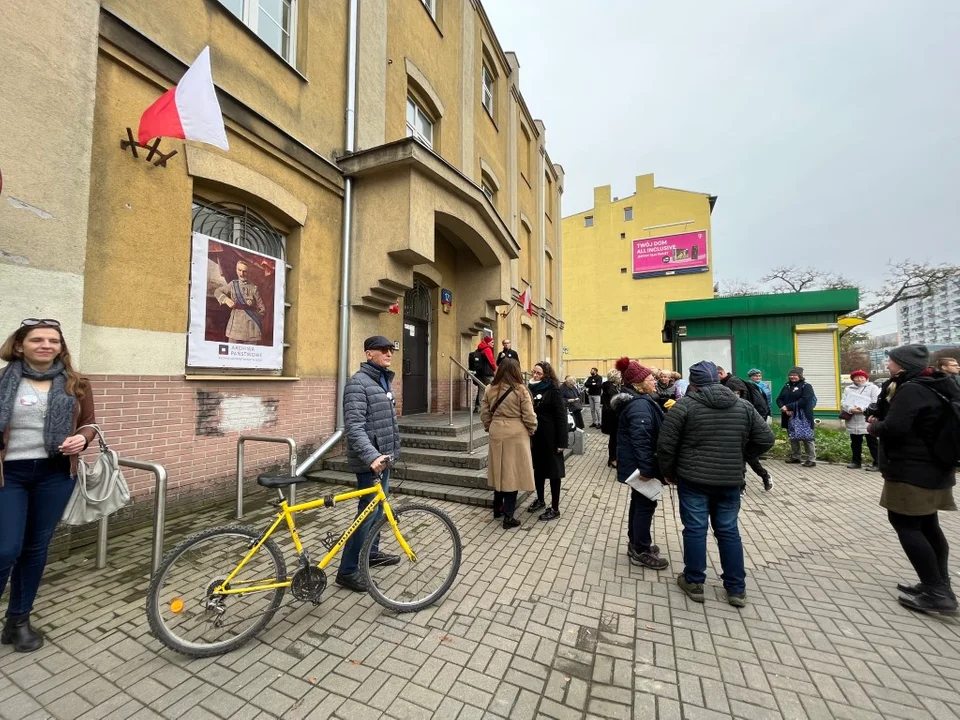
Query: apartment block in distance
934	320
622	260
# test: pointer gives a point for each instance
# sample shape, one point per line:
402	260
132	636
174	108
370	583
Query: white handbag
100	490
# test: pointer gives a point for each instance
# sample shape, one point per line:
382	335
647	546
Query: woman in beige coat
507	414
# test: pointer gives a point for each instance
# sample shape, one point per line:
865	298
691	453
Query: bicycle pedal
329	540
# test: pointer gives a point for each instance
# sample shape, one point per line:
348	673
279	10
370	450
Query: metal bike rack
268	439
480	388
159	515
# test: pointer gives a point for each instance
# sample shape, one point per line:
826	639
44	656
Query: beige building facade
454	210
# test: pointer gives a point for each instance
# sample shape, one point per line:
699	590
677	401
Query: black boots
928	599
17	632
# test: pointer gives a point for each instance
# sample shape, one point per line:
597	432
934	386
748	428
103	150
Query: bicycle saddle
274	481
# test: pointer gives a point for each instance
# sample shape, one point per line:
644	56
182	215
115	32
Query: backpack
478	363
946	446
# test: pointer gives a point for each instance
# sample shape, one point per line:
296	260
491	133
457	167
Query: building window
548	192
623	271
588	221
487	190
274	22
624	308
488	84
419	124
525	153
431	6
623	236
628	213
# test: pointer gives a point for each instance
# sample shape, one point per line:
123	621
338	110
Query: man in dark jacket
373	444
703	443
507	353
594	387
909	419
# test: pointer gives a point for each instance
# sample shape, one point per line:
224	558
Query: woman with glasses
507	414
43	402
550	439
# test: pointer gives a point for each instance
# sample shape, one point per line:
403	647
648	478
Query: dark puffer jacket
370	417
907	425
708	434
640	419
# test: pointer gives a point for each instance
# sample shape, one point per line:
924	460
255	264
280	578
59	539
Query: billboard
236	307
670	255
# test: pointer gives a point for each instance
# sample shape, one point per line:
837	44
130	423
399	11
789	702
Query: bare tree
906	281
735	288
791	278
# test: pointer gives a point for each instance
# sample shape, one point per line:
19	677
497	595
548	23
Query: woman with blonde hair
43	405
507	413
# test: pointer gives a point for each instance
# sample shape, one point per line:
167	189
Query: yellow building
622	260
421	158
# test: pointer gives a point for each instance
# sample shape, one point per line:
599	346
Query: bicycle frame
286	514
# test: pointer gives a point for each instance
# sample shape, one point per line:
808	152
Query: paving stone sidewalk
547	621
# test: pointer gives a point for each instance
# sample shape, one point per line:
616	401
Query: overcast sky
829	130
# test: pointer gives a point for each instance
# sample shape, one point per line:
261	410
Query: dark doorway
416	344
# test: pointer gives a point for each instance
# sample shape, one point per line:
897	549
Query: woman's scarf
60	406
539	387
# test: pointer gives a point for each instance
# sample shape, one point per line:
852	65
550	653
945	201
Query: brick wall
191	428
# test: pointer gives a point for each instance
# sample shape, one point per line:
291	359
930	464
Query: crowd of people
697	433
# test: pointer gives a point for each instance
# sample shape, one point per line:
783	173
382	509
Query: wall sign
446	297
670	255
236	307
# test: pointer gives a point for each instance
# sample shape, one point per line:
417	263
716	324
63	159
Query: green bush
832	445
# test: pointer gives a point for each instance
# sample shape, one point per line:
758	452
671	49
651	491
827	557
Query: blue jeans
350	562
721	506
32	500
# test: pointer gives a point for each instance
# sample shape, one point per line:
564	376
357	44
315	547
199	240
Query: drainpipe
343	360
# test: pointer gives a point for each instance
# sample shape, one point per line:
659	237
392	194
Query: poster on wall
236	307
670	255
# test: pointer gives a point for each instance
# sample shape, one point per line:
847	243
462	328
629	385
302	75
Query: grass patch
832	445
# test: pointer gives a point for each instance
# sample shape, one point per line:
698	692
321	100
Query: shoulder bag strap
493	410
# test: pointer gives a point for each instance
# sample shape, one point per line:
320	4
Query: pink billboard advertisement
670	254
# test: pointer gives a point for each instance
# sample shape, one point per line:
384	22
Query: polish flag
525	302
394	309
189	111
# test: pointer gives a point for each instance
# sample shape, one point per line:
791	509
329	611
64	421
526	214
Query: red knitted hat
861	373
633	372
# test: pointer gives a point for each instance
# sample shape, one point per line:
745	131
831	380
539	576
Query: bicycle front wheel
186	614
410	585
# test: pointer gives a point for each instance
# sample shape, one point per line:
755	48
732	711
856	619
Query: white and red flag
525	301
189	111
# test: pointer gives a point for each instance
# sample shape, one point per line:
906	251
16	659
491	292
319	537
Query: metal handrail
269	439
159	515
480	386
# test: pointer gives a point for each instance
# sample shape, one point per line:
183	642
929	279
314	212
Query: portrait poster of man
236	307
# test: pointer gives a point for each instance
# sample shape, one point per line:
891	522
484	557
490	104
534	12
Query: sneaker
738	600
648	559
918	589
510	522
536	505
550	514
632	552
872	468
767	484
792	461
352	582
939	601
810	463
694	591
853	466
380	559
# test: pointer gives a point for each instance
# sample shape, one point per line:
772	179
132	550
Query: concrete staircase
436	461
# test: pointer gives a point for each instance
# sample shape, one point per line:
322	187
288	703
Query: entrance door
416	344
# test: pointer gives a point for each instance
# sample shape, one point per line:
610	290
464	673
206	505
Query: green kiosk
769	332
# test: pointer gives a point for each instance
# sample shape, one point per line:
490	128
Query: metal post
159	509
102	543
269	439
451	392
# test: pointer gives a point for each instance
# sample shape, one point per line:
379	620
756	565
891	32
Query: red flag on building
525	302
395	309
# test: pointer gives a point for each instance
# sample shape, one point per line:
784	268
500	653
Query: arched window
237	224
416	302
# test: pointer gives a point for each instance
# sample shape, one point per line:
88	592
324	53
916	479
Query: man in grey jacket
373	445
704	441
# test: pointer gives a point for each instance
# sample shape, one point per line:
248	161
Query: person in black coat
638	431
796	402
916	482
550	439
608	419
572	400
742	390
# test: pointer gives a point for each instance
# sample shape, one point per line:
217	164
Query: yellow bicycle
217	589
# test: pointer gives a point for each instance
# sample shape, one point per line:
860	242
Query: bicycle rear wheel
413	585
184	612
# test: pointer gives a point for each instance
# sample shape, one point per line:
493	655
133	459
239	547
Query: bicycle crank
308	584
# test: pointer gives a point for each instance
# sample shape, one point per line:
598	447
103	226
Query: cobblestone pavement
546	621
